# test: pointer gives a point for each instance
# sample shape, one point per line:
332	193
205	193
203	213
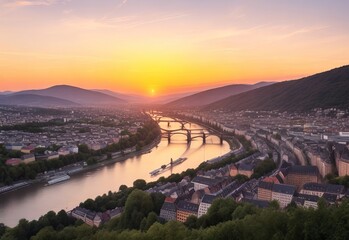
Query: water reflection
32	202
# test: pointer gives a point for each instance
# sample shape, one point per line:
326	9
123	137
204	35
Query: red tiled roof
13	161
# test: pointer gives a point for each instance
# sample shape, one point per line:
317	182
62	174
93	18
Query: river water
34	201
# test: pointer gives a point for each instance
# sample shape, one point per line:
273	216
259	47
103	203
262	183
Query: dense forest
226	219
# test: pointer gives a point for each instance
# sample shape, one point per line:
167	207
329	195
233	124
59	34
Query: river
34	201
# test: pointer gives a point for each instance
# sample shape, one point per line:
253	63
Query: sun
152	91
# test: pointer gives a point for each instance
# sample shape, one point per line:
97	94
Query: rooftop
326	188
208	198
167	206
303	170
265	185
187	206
205	180
284	188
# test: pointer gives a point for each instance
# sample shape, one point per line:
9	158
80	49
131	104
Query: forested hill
215	94
323	90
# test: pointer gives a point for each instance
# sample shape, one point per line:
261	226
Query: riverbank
43	178
32	202
145	150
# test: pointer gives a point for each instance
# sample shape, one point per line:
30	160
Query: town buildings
186	209
283	193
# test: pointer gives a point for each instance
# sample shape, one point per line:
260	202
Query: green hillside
323	90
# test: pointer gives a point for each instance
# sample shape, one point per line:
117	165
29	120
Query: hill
133	98
34	101
6	93
322	90
74	94
126	97
215	94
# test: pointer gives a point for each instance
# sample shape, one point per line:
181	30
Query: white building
283	194
205	204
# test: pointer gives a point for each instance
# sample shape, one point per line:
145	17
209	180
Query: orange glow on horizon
159	49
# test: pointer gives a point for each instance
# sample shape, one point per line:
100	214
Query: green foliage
221	211
107	201
140	184
192	222
338	180
226	161
144	136
263	168
91	161
241	178
138	205
122	187
2	229
244	210
237	222
83	148
149	221
158	200
49	223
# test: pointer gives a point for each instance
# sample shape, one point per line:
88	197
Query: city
210	120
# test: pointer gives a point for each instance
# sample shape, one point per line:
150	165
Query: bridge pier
221	140
168	124
203	138
188	137
169	137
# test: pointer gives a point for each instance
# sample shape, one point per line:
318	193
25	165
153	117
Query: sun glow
156	49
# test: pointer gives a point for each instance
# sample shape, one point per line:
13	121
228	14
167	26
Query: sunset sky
168	46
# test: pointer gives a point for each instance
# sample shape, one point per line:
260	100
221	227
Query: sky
156	47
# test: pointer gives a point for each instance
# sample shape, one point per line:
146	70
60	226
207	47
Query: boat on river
165	167
178	161
58	179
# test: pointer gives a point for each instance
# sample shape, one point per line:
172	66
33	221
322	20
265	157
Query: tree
149	221
263	168
274	205
191	222
158	200
2	229
221	210
46	233
243	210
138	205
122	188
170	231
140	184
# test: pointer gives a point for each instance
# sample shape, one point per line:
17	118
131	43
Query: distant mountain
165	99
34	101
215	94
74	94
6	93
322	90
133	98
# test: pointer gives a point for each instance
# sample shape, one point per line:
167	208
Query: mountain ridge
35	101
321	90
212	95
74	94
